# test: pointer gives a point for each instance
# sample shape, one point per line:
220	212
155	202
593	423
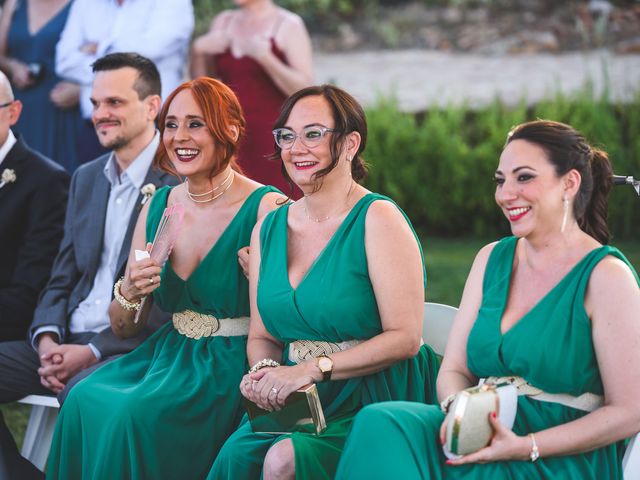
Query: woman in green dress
164	410
337	295
554	305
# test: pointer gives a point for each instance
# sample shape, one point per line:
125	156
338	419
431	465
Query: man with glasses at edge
33	196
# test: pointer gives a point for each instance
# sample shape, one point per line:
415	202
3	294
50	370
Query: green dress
550	346
164	410
334	302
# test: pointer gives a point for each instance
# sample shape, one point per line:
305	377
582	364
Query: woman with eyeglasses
336	289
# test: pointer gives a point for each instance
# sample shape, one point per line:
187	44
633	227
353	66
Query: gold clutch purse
468	428
302	408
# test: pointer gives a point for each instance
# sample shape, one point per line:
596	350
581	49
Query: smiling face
302	161
528	190
186	137
119	115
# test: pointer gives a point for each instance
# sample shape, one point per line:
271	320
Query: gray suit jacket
78	259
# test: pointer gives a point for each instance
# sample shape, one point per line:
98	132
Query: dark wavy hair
567	149
220	109
348	116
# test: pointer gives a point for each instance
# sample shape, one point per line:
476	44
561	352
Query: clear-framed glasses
310	136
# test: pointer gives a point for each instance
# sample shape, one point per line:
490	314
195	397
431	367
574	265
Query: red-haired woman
165	409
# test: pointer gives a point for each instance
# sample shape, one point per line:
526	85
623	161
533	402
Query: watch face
325	364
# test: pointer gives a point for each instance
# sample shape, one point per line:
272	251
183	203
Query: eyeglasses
310	136
3	105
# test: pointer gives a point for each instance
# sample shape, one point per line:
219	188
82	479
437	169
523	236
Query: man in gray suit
70	334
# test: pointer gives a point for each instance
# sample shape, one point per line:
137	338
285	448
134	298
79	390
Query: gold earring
565	208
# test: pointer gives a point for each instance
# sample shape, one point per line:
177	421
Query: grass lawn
448	262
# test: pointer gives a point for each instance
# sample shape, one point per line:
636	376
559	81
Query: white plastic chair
436	325
42	421
631	460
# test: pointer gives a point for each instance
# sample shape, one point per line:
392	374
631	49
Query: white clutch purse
468	427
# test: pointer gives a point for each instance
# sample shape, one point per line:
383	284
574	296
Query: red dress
261	101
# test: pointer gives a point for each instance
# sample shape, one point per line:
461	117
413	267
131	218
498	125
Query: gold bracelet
124	303
265	362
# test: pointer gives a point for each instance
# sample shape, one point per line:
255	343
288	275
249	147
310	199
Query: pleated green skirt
401	440
160	412
317	456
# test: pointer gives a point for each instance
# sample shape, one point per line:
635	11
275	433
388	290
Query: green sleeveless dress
550	346
164	410
334	302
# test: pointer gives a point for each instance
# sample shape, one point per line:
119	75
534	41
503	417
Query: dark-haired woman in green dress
164	410
554	305
340	270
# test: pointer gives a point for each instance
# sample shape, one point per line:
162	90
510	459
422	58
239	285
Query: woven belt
302	350
197	325
587	402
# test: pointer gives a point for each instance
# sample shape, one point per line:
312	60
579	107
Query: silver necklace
194	196
313	219
324	219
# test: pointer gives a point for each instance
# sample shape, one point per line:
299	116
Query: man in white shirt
157	29
70	332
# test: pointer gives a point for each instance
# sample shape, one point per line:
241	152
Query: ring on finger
150	280
275	391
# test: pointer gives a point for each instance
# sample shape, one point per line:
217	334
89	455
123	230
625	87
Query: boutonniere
147	192
8	176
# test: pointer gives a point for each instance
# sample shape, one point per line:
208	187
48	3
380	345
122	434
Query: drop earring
565	208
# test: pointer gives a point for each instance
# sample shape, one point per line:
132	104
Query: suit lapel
15	160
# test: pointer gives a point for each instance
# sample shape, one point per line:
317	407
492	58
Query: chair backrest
631	460
436	325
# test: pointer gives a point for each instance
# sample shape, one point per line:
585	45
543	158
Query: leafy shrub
439	165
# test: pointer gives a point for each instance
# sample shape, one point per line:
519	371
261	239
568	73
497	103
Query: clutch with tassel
468	427
302	408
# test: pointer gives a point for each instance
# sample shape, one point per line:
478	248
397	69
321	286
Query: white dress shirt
157	29
7	145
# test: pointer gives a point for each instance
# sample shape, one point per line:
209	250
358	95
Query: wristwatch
325	364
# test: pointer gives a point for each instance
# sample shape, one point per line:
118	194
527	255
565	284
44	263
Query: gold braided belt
197	325
587	402
302	350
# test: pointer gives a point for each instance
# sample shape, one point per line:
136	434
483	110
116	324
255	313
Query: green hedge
439	165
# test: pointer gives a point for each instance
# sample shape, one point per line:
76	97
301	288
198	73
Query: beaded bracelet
265	362
124	303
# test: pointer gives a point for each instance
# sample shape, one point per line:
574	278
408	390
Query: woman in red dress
263	52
